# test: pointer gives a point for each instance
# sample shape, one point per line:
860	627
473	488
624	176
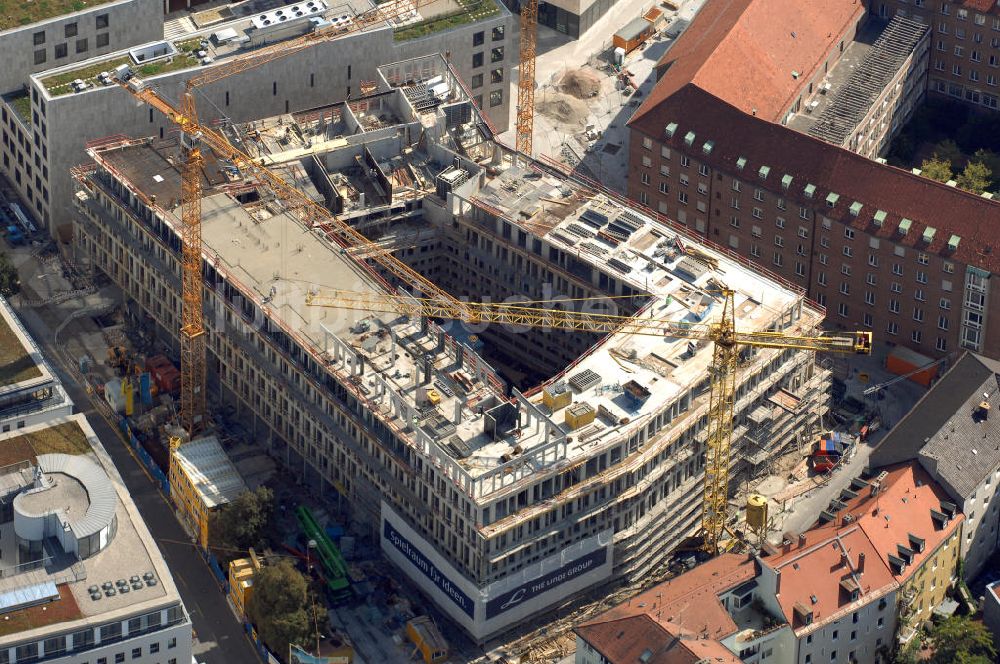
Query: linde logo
571	570
421	562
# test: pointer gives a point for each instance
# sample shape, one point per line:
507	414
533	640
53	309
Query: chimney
861	563
777	582
802	539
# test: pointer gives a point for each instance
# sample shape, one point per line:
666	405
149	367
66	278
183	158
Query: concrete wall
130	22
979	531
323	74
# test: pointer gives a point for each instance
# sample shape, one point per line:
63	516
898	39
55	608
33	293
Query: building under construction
502	469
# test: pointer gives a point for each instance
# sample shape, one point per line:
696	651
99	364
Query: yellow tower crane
193	137
722	333
526	77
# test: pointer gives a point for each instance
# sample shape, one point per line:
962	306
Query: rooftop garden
15	363
14	13
60	84
65	438
470	11
22	104
61	610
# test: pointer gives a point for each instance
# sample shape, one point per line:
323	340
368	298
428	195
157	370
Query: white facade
980	530
508	601
854	636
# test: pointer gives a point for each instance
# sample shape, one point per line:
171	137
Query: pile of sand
563	107
582	83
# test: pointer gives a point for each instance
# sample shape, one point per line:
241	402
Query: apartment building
30	392
495	495
871	570
881	248
82	576
965	54
46	129
952	434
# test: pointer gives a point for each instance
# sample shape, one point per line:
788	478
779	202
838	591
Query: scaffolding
856	97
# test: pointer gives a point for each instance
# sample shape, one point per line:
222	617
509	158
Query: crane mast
723	334
526	77
192	323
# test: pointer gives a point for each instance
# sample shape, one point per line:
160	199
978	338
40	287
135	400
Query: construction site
507	377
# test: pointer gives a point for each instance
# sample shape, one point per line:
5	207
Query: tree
948	150
975	177
992	161
278	607
242	523
936	168
10	282
959	639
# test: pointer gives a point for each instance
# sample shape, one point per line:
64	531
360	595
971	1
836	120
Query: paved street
220	638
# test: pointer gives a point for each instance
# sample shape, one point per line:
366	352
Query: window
496	75
916	336
941	345
871	279
755	250
119	657
944	303
736	185
892	328
845	269
154	648
873	260
685	161
38	38
102	40
942	322
682	197
848	251
81	45
758	195
40	56
896	287
496	54
664	170
734	221
779	241
823	259
897	269
477	81
800	269
645	178
703	170
702	188
758	213
647	142
870	297
61	51
643	198
918	314
665	152
778	259
664	188
866	320
496	98
821	278
646	161
136	653
894	305
478	38
845	288
841	311
477	59
102	21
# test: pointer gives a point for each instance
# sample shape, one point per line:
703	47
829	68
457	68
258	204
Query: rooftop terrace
16	361
83	586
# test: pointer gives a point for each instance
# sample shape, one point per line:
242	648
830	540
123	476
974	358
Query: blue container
145	390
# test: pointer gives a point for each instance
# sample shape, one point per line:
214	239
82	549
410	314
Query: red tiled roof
744	51
736	135
691	599
811	575
903	507
625	640
984	6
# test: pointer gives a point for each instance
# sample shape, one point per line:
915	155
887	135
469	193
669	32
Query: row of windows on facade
479	58
962	13
101	22
956	70
968	94
478	38
70	30
85	639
